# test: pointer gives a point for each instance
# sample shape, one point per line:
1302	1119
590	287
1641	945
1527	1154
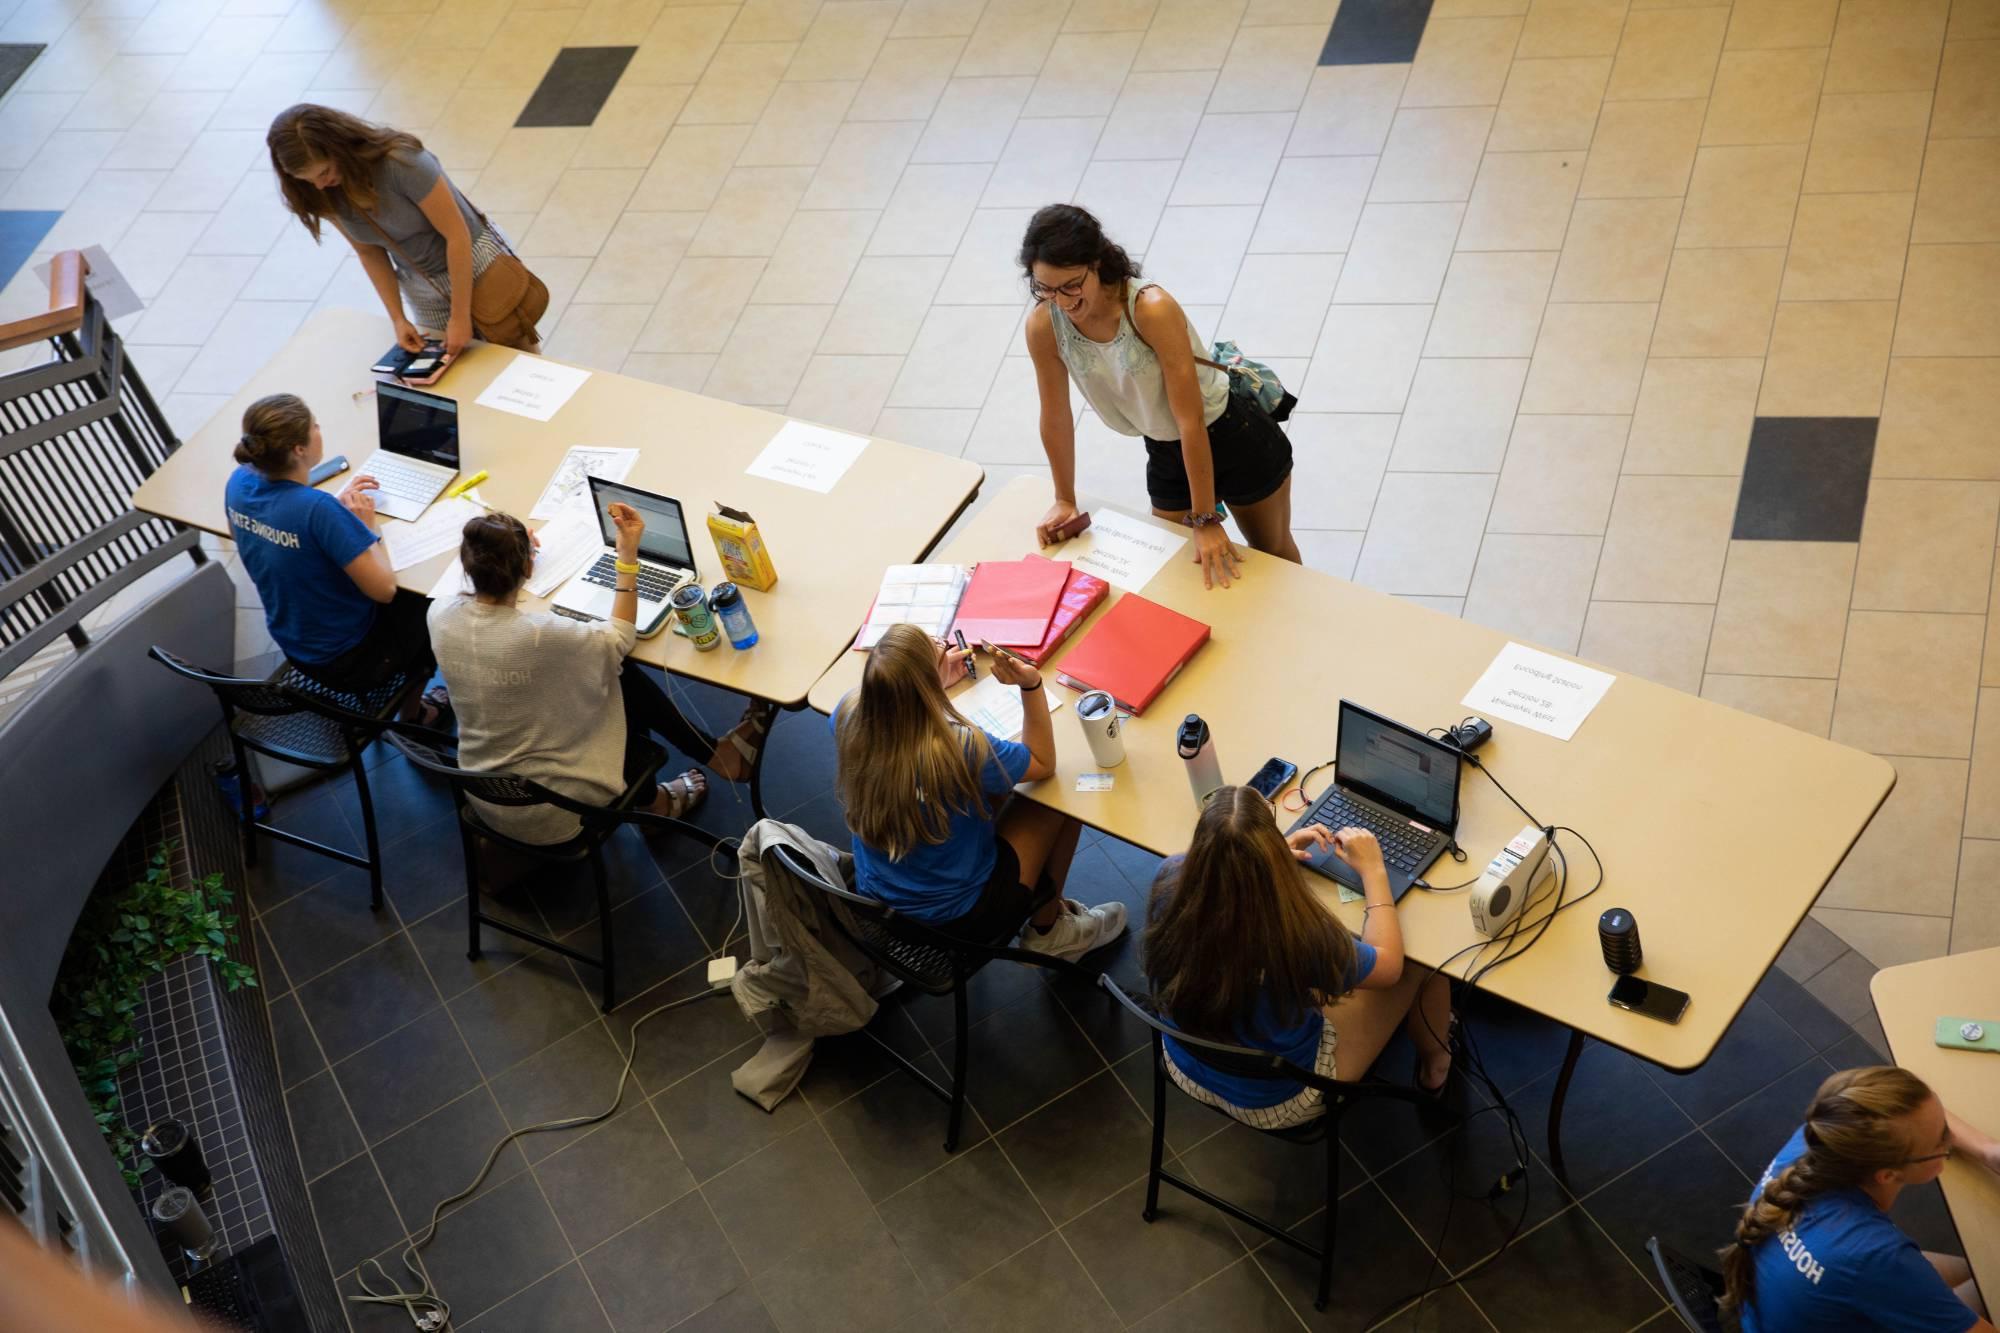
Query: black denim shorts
1252	459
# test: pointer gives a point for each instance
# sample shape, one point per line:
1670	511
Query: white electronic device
1514	876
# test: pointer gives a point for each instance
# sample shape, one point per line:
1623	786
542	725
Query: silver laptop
666	559
418	456
1398	783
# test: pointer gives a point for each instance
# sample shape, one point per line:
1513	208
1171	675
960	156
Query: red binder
1011	602
1133	652
1080	597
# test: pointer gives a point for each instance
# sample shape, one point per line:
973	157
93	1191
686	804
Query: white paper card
1539	690
436	531
533	388
571	483
996	707
1122	550
451	583
105	282
811	457
569	541
923	595
1093	782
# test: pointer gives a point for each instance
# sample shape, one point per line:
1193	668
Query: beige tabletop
1909	1000
1718	829
829	549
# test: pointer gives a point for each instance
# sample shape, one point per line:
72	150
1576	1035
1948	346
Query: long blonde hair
305	135
1858	1124
1235	924
908	760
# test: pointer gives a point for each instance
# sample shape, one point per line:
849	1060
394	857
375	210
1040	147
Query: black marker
971	670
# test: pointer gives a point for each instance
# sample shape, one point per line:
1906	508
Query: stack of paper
435	531
568	542
995	707
923	595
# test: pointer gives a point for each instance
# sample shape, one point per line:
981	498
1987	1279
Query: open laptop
418	456
666	559
1397	783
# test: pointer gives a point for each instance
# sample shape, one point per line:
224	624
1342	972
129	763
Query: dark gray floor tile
272	978
1857	1050
1240	1296
1751	1132
325	926
844	1065
1379	1264
439	1155
855	1284
1811	947
954	1223
1925	1218
576	1076
715	1126
561	1301
368	996
284	870
612	1177
1598	1288
1376	32
992	989
653	937
1045	1146
1139	1266
1450	1180
1871	1037
799	761
823	817
1278	1179
1448	1310
674	1044
15	57
495	1245
1614	1116
710	898
441	942
1758	1048
894	1132
671	1265
1514	1046
741	1311
407	1075
321	1127
1806	1015
1023	1057
1188	1121
507	1018
1842	986
1805	479
355	1218
298	1053
1043	1288
795	1194
1690	1196
425	869
371	1318
577	85
1138	865
406	800
566	894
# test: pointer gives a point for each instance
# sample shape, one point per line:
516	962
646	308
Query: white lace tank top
1121	379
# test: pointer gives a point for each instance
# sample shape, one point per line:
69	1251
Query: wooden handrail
65	312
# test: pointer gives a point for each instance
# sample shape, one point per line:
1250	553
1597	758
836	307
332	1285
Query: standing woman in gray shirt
420	240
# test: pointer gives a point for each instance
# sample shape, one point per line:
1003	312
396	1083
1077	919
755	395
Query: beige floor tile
1783	609
1399	254
1911	844
1867	142
1972	20
638	258
1425	534
907	79
861	167
767	354
972	120
521	52
1694	416
193	302
1643	150
1976	921
1332	553
772	21
1083	73
1827	359
1314	205
629	130
1927	546
1848	247
1156	116
1772	24
1560	475
1742	196
1348	109
1886	938
1764	97
1666	540
615	22
1573	28
1550	104
689	171
737	84
940	429
1937	419
1658	641
798	125
1803	705
1337	465
1491	305
1968	91
1232	159
1366	358
1533	588
984	271
1521	201
1195	252
1110	15
884	306
1886	46
1291	12
679	46
1013	38
1268	69
1189	34
929	210
1617	250
938	18
1459	415
598	336
246	331
814	258
1462	62
1008	429
1719	303
580	213
470	128
1982	796
1960	196
1280	301
1589	358
843	40
1043	160
1129	198
845	392
956	355
1667	53
1444	606
1949	295
1432	155
1909	682
751	210
701	305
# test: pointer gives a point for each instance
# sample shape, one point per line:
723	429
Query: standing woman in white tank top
1132	353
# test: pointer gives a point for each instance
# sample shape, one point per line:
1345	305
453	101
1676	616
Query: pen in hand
971	670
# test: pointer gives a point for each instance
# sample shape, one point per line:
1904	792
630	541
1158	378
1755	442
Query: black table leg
757	764
1556	1106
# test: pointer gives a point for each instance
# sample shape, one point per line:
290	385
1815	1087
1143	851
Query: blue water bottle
729	608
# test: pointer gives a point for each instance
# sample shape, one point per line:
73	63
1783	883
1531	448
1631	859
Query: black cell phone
1649	998
331	467
401	362
1272	777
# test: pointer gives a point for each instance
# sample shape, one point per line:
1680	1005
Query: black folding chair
1245	1062
1694	1291
290	716
924	958
424	748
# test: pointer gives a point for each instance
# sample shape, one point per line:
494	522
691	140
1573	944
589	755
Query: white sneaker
1076	933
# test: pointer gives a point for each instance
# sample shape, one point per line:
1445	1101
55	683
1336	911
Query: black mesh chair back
1248	1062
1694	1291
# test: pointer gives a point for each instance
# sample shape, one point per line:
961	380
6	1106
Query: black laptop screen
1398	766
417	425
666	539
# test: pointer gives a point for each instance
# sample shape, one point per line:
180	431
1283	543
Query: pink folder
1010	602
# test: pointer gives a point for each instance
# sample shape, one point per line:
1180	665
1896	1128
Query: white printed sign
533	388
811	457
1539	690
1124	551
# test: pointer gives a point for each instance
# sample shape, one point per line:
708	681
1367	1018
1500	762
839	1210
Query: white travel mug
1097	713
1196	748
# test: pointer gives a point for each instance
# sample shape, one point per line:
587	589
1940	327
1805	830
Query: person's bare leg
1957	1275
1044	842
1267	525
1364	1020
1429	1025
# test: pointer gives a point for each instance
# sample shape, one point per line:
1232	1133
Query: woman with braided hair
1816	1251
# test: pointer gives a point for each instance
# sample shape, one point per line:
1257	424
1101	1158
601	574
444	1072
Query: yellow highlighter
467	484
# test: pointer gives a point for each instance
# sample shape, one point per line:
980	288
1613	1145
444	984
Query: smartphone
995	650
331	467
1272	777
1649	998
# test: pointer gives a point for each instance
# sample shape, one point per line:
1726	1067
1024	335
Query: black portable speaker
1618	932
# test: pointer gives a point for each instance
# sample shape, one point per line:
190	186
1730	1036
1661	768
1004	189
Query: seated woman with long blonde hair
935	835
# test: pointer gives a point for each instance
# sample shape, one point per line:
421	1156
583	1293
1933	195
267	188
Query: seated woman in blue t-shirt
1816	1251
1238	950
330	598
924	790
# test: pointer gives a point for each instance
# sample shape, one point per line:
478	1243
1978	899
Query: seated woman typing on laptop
330	599
924	791
1238	950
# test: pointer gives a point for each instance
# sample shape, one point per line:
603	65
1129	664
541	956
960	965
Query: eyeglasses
1931	1157
1072	289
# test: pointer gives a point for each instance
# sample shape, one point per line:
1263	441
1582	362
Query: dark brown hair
1065	236
1235	925
272	428
303	136
496	554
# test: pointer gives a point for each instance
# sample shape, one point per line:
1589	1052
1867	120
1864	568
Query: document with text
1539	690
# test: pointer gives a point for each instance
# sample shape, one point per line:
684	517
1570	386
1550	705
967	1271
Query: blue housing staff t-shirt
942	881
296	543
1844	1265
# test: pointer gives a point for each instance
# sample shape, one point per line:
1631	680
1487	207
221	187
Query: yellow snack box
741	548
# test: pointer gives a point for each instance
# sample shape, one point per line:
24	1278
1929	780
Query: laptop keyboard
1403	845
413	482
655	585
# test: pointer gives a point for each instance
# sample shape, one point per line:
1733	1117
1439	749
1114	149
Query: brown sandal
746	738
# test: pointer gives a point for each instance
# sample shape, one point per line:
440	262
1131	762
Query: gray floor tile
562	1300
613	1176
368	996
1042	1287
321	1126
853	1285
439	1155
1600	1288
1066	1179
953	1223
508	1017
894	1132
499	1243
1842	986
1140	1266
407	1075
794	1194
715	1127
576	1076
1689	1195
1240	1296
356	1220
669	1266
